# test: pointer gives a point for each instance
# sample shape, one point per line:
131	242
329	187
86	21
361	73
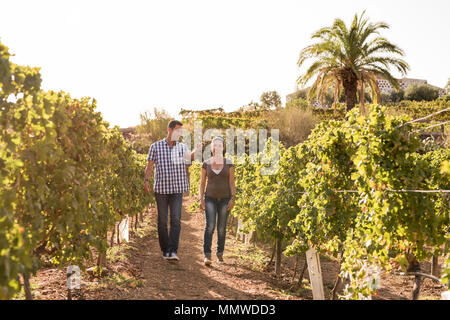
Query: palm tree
346	59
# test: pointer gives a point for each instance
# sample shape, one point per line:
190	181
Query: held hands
198	147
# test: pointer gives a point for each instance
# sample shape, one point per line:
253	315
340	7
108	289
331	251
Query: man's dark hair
173	123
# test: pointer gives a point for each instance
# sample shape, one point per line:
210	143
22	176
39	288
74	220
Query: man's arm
192	154
148	173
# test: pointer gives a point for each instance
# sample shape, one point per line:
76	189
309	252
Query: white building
404	83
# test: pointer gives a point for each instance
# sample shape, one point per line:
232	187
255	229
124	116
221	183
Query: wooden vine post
315	274
278	249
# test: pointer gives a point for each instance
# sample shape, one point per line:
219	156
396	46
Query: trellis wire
426	117
434	125
389	190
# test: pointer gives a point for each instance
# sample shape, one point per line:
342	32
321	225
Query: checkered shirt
170	167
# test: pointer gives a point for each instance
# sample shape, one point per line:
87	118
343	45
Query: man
171	160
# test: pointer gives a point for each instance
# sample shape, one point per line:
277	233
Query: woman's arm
232	189
202	189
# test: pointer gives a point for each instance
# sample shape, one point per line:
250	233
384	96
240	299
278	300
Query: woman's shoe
220	257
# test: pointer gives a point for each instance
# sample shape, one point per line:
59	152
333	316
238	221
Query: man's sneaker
220	257
165	255
173	256
207	261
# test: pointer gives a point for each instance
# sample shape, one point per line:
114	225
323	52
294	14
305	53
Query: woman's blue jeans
215	210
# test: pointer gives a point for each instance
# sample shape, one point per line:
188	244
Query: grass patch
283	292
303	291
250	255
306	284
118	280
21	294
145	230
118	253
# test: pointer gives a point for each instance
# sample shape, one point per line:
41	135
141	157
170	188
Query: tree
270	99
295	122
154	125
347	60
300	93
421	92
393	96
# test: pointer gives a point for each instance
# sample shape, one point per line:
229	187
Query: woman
218	199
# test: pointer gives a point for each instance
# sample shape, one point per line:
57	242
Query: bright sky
135	55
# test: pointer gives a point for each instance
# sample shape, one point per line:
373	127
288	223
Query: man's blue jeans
169	241
215	209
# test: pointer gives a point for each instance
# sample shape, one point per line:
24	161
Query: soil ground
137	271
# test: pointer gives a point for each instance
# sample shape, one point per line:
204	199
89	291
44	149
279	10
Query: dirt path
140	272
189	278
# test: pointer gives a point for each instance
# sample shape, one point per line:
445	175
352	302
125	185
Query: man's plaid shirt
170	167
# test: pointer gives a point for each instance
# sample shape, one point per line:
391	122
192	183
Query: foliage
348	59
445	98
218	119
65	177
298	103
412	109
422	92
339	192
294	124
393	96
195	174
270	99
299	94
153	126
